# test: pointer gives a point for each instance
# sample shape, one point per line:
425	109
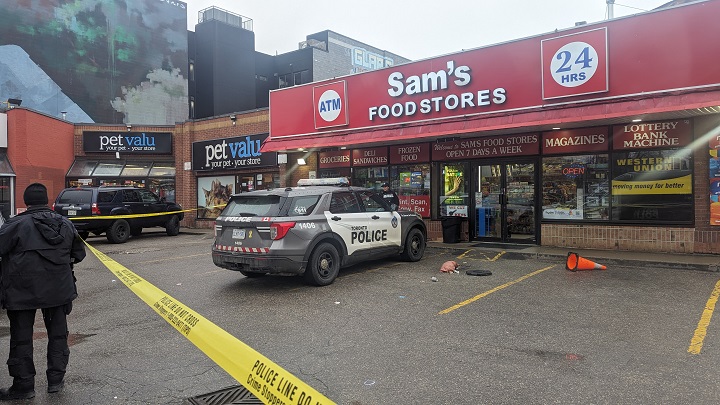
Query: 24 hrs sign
575	64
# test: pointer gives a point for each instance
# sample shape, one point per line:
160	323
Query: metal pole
610	9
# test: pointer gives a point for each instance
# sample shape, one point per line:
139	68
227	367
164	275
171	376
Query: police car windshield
261	206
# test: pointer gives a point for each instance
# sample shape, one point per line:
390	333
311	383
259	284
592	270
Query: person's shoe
9	394
53	388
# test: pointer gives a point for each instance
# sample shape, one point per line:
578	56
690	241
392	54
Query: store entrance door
505	202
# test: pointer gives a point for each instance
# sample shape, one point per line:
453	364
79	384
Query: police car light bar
334	181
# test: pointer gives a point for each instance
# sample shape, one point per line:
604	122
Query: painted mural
104	61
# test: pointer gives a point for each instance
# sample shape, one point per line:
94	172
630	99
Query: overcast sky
416	29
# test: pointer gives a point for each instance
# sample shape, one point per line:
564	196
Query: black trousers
20	361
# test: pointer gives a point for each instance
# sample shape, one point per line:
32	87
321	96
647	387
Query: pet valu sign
231	153
128	142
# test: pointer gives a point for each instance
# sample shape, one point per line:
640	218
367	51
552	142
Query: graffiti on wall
108	61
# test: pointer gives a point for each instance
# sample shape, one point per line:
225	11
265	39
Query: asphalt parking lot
384	332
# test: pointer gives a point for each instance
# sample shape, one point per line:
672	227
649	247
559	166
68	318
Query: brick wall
40	149
248	123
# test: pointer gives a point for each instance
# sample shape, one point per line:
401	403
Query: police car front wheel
414	246
324	265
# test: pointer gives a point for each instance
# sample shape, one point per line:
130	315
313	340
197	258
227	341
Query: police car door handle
336	218
375	217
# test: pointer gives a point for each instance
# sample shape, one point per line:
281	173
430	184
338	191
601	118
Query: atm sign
330	104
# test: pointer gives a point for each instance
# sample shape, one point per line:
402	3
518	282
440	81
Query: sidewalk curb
673	262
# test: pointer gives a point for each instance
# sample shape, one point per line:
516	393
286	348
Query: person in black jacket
38	249
390	196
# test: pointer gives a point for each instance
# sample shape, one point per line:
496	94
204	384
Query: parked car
313	231
96	209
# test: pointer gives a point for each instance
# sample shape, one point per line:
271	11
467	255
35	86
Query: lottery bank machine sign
231	153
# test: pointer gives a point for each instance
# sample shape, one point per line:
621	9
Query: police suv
314	230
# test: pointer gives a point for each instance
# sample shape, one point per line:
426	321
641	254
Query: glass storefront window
136	169
163	188
369	177
653	186
332	173
82	168
213	193
412	185
108	169
454	198
575	187
162	169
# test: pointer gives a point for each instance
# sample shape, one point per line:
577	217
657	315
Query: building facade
593	137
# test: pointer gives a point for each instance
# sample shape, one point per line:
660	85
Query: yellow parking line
498	288
463	255
497	256
696	342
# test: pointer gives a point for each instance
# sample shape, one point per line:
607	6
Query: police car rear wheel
324	265
414	246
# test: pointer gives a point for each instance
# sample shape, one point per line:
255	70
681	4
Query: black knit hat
35	194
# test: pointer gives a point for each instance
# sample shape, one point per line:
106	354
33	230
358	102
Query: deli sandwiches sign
231	153
128	142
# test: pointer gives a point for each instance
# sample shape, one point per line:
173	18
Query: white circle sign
574	64
330	105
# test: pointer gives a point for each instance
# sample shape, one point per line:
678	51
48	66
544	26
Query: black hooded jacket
38	248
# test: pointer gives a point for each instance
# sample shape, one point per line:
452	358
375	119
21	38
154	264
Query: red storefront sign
416	203
338	158
370	157
408	154
645	135
576	141
491	146
330	101
714	142
575	64
486	81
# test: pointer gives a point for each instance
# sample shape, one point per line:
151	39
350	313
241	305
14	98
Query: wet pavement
701	262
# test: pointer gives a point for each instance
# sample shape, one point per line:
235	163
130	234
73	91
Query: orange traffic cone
575	263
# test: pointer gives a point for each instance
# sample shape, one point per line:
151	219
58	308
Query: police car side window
343	203
303	205
373	202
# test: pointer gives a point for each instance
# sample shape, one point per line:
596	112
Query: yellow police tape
152	214
261	376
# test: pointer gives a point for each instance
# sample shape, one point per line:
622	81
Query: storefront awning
121	168
5	167
538	119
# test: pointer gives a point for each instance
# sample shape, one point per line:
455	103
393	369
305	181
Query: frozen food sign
128	142
231	153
